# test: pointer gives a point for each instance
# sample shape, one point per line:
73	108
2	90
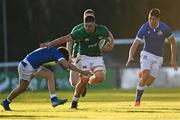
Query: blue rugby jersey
154	38
43	55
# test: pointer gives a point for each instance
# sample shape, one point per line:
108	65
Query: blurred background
24	24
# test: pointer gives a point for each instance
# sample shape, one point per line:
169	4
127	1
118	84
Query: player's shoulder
79	30
145	25
78	26
102	28
163	25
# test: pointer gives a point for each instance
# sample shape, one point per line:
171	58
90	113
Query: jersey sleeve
168	32
140	34
56	55
77	27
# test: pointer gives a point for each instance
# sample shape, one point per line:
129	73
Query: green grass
157	104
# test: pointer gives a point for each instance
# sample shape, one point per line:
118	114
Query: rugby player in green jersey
89	53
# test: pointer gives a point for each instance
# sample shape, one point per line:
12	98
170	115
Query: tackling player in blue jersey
31	66
153	33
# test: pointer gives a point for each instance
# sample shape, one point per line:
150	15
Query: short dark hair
155	12
64	52
89	19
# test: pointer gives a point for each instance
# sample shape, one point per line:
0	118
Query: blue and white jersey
154	38
43	55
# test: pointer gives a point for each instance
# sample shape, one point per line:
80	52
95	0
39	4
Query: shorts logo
144	57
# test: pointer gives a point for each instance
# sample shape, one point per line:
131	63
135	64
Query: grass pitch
157	104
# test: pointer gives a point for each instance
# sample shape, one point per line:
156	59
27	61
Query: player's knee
142	83
99	76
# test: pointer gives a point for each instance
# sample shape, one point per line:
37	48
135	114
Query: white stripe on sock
52	95
76	99
8	100
140	87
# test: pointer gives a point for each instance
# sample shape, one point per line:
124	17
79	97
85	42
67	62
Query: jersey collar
154	29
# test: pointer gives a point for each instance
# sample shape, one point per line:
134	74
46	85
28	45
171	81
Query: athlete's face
89	27
153	21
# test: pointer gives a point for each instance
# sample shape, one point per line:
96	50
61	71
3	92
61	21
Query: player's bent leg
74	78
14	93
49	75
98	77
141	86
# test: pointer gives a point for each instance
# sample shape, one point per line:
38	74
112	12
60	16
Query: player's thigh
73	77
44	72
156	66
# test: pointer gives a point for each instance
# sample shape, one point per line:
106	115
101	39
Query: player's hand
70	59
106	48
86	73
174	65
130	59
44	45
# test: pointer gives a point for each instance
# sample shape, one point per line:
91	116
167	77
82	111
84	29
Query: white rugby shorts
90	63
26	71
151	62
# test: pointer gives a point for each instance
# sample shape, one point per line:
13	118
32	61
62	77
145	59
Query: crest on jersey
87	39
160	33
149	32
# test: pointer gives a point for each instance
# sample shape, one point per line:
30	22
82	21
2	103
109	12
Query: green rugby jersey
88	42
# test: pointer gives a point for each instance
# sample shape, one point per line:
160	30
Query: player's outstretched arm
57	41
74	68
132	51
173	62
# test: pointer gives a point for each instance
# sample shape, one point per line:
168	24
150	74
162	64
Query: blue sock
139	94
54	98
6	101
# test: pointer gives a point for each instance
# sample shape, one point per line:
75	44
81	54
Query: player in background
153	33
90	54
31	66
